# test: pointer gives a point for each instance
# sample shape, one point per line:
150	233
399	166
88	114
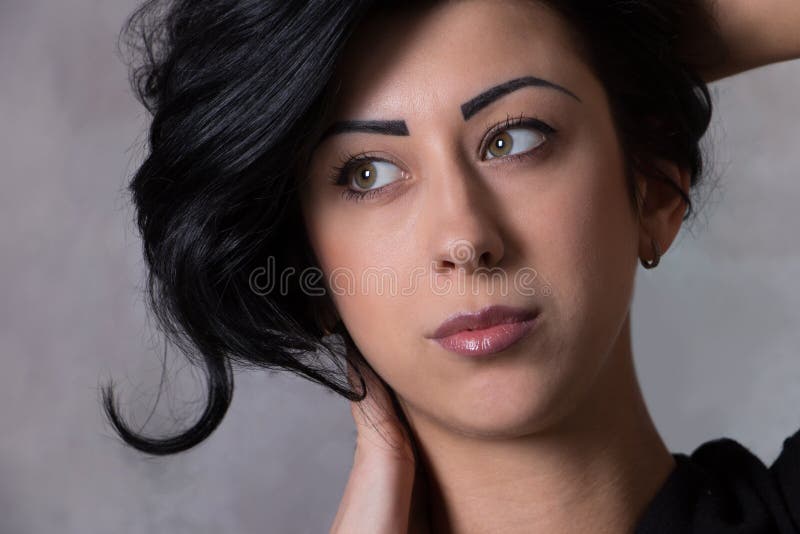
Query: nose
463	226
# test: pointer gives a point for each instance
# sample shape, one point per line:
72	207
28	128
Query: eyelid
348	161
340	176
510	123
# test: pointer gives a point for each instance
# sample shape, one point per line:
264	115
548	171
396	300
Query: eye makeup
341	173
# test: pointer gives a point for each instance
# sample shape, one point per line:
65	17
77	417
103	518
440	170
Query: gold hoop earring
656	252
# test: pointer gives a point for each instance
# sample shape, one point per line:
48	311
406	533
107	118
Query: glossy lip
488	331
485	318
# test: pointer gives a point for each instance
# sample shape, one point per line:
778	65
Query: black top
724	488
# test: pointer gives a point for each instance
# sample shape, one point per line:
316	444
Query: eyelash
350	161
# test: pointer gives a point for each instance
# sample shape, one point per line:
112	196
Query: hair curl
236	89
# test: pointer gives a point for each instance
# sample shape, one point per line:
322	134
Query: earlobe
653	262
662	209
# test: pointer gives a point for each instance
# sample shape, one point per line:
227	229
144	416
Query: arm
378	496
754	33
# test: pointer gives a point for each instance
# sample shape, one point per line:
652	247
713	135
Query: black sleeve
786	470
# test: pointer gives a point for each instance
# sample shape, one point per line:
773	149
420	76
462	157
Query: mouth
485	332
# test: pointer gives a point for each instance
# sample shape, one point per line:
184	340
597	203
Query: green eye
522	140
366	174
373	174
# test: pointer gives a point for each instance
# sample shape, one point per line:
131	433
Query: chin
505	403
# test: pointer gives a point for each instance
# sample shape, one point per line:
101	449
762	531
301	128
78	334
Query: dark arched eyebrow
468	109
471	107
397	127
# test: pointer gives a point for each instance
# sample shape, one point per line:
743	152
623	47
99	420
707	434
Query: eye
514	141
367	174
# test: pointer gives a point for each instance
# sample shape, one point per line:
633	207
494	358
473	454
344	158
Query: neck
594	470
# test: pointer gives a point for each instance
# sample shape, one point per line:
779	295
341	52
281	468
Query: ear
661	207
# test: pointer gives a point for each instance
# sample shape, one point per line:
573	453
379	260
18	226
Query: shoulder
723	487
786	471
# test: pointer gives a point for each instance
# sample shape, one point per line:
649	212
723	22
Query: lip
490	330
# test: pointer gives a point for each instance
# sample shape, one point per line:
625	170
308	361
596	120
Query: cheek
585	247
369	284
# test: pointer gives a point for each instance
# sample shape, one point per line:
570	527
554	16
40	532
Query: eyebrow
468	109
471	107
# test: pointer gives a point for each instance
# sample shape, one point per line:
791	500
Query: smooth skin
555	434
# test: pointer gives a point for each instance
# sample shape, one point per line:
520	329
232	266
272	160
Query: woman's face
556	222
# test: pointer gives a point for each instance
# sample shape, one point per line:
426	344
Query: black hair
237	89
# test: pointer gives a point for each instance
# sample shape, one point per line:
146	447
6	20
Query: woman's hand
377	498
750	34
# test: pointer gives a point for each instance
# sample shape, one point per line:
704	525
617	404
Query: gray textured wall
715	326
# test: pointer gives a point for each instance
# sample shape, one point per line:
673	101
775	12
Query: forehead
424	59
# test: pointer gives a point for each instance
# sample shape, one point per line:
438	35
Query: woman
504	165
